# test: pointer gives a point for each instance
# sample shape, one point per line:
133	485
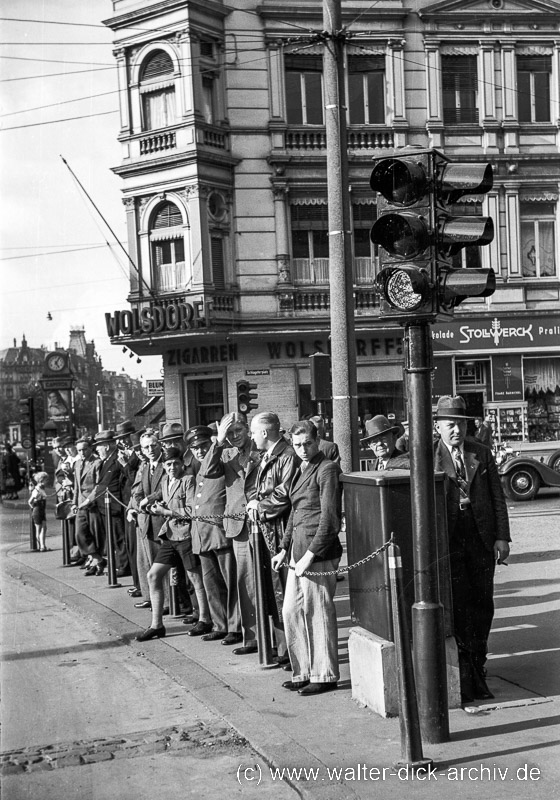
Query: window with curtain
304	89
310	244
533	88
459	78
157	90
538	240
366	90
363	217
168	249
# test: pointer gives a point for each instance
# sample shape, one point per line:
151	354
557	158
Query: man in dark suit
478	529
312	545
128	444
382	440
111	479
233	457
144	491
90	533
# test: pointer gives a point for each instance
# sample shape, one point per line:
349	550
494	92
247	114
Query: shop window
366	90
460	90
541	379
470	373
310	244
168	249
538	240
204	399
533	88
157	90
304	89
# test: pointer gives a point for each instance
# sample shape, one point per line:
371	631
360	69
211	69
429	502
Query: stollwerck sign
497	333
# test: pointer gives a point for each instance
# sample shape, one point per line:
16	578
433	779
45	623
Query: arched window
167	241
157	90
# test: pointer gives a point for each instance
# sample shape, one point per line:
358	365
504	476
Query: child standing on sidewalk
38	504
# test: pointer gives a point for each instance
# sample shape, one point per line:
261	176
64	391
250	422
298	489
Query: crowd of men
190	503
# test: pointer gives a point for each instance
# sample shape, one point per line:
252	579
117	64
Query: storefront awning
146	407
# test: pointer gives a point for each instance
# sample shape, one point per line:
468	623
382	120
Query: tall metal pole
427	612
343	340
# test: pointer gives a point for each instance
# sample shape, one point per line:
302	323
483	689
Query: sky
58	97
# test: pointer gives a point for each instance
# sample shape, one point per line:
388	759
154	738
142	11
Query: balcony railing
157	143
215	137
315	139
315	271
318	301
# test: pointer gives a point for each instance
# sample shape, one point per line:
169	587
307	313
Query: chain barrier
270	544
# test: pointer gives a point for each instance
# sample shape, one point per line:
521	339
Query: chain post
65	531
111	566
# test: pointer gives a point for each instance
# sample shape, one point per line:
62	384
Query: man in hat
479	536
110	480
382	440
90	533
173	435
210	543
128	446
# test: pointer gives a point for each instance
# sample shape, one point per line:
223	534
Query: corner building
224	183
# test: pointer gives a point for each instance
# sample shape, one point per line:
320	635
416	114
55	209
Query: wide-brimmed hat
103	437
198	434
125	428
59	441
378	426
451	408
171	430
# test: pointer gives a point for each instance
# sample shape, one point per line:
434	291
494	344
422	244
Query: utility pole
343	341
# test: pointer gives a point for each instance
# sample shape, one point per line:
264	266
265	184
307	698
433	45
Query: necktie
459	464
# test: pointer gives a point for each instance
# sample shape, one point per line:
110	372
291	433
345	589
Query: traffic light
27	417
321	377
419	235
245	396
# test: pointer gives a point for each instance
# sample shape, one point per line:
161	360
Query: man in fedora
173	435
382	440
128	446
110	480
479	536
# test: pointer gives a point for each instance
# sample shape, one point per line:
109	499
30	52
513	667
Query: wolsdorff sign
153	319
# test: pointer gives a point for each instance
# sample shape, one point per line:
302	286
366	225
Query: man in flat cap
382	440
478	529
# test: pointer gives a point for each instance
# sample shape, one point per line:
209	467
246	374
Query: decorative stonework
284	273
286	302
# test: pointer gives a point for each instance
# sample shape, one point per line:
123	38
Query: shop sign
507	379
498	333
178	316
252	372
372	347
154	388
208	354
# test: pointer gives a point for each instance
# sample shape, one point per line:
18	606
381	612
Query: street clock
56	362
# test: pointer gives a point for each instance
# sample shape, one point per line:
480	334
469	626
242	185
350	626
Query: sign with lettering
208	354
252	372
177	316
507	379
154	388
497	333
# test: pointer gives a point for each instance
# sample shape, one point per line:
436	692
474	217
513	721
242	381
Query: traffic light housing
245	396
418	234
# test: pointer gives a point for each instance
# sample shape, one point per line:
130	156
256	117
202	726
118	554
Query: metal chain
344	570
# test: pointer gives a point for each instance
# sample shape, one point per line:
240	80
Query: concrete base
373	672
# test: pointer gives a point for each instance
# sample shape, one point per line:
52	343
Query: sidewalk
504	745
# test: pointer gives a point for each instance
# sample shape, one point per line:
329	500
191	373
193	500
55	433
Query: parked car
522	476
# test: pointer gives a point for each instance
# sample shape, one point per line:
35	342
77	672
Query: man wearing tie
382	440
478	529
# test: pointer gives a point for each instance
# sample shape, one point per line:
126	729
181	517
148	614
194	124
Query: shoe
144	604
281	660
151	633
100	567
200	628
318	688
213	636
134	592
245	650
288	668
78	562
91	570
86	563
122	573
190	619
294	686
232	638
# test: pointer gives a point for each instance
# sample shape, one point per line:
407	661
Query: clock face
56	362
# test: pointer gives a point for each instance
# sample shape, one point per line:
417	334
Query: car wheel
554	461
521	483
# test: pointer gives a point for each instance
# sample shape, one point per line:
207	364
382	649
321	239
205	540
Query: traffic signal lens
458	180
401	181
459	232
405	235
404	288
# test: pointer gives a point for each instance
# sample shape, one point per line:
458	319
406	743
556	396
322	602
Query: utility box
377	506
